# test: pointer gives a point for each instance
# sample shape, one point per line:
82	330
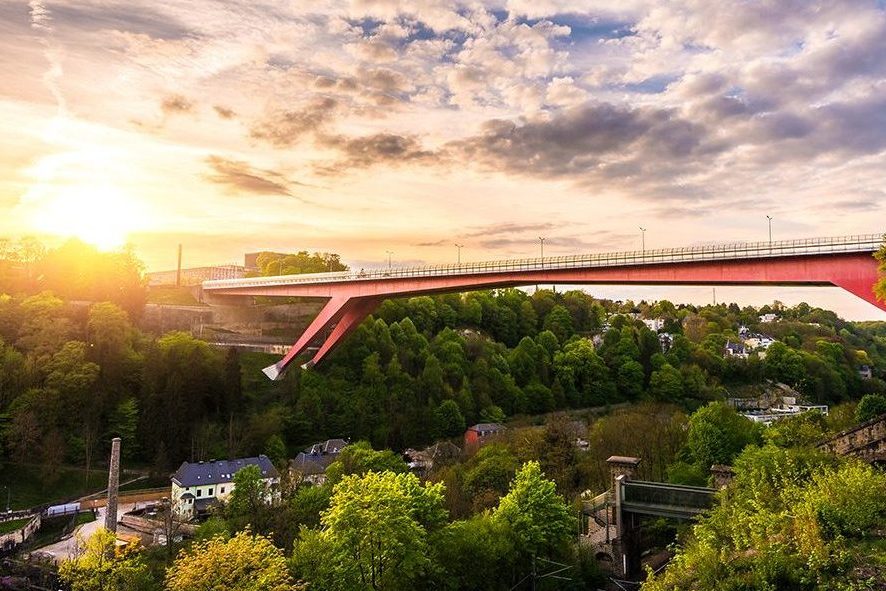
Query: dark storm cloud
176	103
284	128
130	17
240	176
580	140
379	148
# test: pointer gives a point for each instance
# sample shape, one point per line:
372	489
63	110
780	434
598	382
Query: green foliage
538	517
791	519
448	420
483	542
804	430
242	563
249	500
272	263
359	458
104	567
870	406
717	434
375	534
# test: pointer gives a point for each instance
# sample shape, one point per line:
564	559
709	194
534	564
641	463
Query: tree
359	458
538	517
375	533
559	322
870	406
448	420
248	502
104	567
666	384
717	434
244	563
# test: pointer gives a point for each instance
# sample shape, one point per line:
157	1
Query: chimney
113	486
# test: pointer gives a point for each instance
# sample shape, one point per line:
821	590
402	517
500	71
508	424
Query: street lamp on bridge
459	247
769	217
390	252
643	238
542	241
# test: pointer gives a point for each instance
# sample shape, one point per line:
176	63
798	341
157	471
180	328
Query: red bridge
846	262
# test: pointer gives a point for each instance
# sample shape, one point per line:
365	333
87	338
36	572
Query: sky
362	127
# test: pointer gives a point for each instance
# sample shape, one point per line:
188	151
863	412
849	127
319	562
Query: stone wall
20	535
866	441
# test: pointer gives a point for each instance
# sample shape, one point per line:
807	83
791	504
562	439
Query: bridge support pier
340	314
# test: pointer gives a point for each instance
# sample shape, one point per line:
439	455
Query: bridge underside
349	302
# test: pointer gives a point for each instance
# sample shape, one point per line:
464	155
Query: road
68	548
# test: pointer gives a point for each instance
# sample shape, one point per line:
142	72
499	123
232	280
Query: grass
143	483
13	525
85	517
30	486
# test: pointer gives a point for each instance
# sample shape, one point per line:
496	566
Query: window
199	492
209	494
221	491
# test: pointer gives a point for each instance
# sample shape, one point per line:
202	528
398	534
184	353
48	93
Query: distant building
654	324
666	340
865	372
311	463
755	341
422	462
733	349
196	275
482	432
198	486
769	318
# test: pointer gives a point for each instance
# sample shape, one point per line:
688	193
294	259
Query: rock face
113	486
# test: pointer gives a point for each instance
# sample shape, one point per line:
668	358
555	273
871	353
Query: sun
103	216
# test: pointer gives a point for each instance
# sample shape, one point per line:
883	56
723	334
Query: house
482	432
654	324
199	485
733	349
422	462
757	341
769	318
311	463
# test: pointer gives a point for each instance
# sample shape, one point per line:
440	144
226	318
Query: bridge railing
711	252
656	494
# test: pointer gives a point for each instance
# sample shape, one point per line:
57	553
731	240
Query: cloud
380	148
283	128
508	228
238	176
176	104
602	138
224	112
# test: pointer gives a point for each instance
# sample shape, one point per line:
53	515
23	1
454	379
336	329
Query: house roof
330	446
309	464
200	473
487	427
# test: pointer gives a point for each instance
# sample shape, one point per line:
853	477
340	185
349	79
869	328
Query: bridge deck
705	253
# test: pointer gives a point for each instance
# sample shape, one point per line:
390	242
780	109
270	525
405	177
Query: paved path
68	548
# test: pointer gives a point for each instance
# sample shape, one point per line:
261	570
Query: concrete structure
113	486
846	262
722	474
195	275
866	441
197	486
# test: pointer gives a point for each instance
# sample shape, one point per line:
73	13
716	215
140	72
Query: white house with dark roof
199	485
311	463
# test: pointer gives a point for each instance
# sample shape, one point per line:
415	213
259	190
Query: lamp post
643	238
769	217
459	247
390	252
542	241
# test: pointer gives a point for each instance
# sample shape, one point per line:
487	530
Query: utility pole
459	247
